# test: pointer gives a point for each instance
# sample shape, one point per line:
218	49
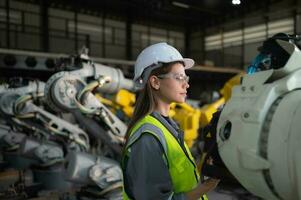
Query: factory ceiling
172	13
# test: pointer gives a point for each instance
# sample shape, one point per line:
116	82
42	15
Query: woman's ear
154	82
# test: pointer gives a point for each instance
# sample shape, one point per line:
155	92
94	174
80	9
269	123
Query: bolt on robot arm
258	132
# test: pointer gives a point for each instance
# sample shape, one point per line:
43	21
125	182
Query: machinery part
12	140
118	80
31	61
7	103
122	104
208	110
226	91
4	129
9	145
45	152
24	108
57	126
25	60
68	91
3	87
87	103
19	107
104	174
126	101
98	132
61	90
91	105
9	95
47	137
53	179
62	86
262	148
33	87
17	161
273	55
87	169
211	163
188	119
9	60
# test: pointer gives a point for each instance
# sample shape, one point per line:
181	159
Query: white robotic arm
259	130
17	105
68	91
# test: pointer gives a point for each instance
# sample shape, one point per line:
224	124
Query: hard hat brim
188	63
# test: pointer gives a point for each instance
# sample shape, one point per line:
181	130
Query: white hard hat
153	56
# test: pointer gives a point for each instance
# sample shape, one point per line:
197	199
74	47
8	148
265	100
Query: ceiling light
179	4
236	2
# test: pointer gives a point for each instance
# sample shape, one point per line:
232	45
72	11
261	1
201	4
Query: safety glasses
179	77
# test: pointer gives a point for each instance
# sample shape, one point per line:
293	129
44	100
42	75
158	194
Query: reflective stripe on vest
181	166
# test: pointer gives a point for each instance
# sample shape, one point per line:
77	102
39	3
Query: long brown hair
146	101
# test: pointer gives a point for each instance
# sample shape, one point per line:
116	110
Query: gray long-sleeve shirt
146	171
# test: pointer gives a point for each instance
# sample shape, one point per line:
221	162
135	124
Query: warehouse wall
197	45
143	36
23	37
235	44
68	31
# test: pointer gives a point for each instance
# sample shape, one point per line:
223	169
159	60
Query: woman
157	163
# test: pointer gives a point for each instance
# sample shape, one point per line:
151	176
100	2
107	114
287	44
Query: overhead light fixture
236	2
181	5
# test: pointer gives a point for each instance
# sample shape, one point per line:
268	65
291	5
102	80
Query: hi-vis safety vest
181	165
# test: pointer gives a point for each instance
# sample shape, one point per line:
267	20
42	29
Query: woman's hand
210	184
202	188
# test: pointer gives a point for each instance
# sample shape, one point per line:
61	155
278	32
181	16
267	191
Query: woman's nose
186	85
